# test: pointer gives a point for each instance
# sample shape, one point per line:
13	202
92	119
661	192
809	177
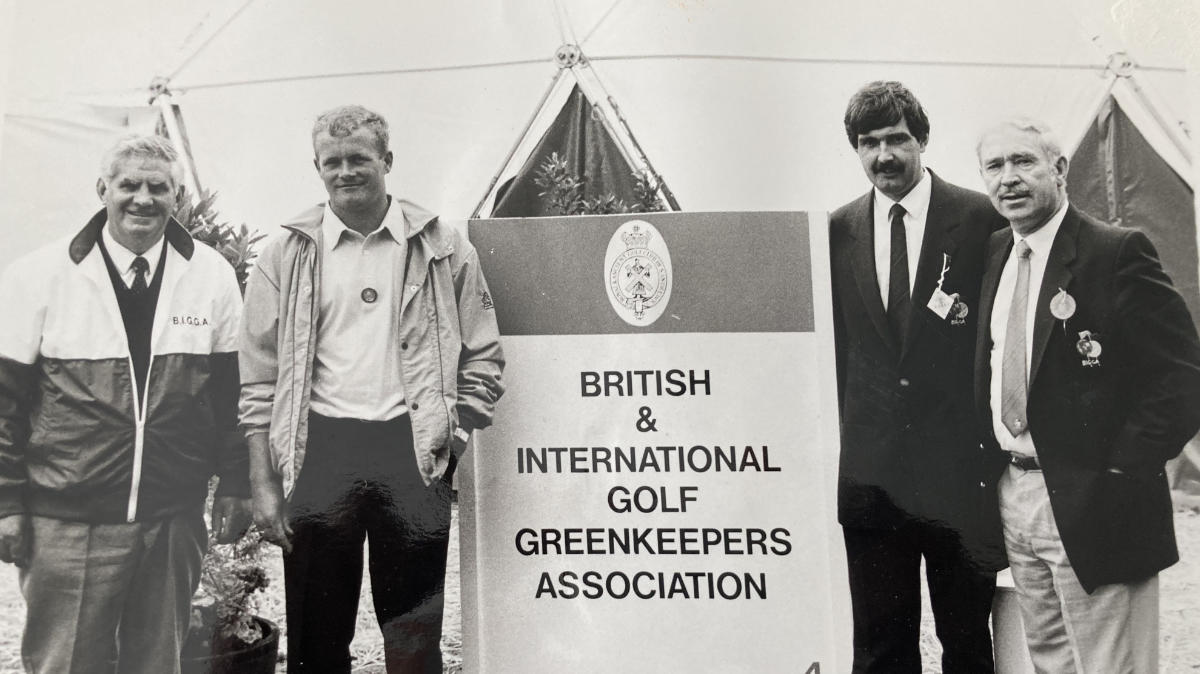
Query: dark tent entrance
579	138
591	143
1118	176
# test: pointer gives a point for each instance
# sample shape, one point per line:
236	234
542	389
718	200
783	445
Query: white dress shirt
916	207
122	257
356	371
1040	243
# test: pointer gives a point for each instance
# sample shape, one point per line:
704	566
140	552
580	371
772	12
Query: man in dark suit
911	463
1088	380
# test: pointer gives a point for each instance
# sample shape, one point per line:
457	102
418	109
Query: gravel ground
1179	587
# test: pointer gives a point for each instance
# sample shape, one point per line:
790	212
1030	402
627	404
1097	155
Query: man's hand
15	540
230	518
270	514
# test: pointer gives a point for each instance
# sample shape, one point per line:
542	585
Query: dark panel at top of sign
729	272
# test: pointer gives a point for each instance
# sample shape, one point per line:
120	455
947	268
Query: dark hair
881	104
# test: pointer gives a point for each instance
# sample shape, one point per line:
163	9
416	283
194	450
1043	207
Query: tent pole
177	137
660	184
520	139
1094	111
183	62
1171	130
597	101
658	179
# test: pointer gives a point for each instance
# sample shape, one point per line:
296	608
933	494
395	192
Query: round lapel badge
1062	305
369	295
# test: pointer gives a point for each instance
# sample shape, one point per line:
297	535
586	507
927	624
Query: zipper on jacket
139	437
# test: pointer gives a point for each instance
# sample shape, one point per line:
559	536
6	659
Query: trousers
360	482
1113	629
110	597
885	598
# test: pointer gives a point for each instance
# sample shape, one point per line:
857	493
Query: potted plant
226	634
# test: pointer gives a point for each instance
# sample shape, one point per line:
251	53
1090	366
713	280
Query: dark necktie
1013	392
898	294
140	266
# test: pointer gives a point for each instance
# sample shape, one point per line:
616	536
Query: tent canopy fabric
1116	176
582	141
738	104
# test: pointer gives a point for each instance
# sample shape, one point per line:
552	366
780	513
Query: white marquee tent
738	104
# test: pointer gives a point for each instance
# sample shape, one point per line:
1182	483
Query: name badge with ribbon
945	304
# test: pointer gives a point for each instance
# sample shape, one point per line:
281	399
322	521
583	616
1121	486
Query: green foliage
603	205
231	575
224	607
645	190
562	192
235	244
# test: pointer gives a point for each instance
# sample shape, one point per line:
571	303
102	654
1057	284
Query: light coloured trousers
1113	629
110	597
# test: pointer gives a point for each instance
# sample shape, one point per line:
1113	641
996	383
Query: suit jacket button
904	381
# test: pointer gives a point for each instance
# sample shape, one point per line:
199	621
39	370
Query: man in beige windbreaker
369	352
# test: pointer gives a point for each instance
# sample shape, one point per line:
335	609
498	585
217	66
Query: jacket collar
941	223
417	222
85	240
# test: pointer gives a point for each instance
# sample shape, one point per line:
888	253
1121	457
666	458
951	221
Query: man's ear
387	161
101	188
1061	164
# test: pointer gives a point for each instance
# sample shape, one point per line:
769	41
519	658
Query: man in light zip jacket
369	352
118	402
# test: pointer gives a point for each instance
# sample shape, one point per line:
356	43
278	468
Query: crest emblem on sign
638	273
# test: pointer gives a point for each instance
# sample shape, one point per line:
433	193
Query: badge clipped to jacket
943	304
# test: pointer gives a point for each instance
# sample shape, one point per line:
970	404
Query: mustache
891	165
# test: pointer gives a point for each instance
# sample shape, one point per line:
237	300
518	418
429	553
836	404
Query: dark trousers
360	481
885	596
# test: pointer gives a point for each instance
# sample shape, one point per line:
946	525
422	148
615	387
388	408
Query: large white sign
657	493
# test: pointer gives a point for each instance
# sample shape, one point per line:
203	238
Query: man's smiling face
139	198
353	169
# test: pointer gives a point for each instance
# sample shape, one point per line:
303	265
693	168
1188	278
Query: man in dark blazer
1087	381
905	295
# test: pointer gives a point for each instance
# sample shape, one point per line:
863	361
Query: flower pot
256	658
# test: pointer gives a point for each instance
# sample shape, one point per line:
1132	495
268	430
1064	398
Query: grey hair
346	119
1046	137
143	146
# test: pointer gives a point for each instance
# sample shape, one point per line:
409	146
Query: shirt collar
333	229
1041	240
122	257
915	203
